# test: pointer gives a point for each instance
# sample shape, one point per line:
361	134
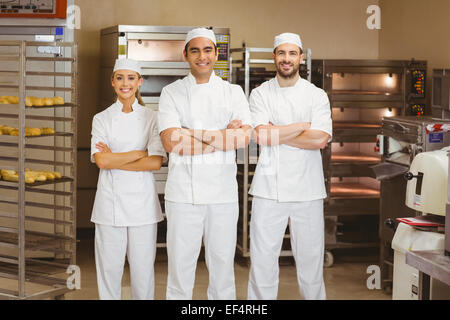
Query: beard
287	74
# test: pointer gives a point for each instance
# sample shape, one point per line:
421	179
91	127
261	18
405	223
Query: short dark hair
187	46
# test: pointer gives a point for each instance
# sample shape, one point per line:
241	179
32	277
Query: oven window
156	50
367	84
153	85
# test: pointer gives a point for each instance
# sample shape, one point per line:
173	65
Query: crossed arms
192	142
297	135
135	160
185	141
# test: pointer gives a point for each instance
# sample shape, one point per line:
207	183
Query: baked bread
28	102
48	101
11	177
58	100
37	102
47	131
6	129
37	176
57	175
12	99
32	132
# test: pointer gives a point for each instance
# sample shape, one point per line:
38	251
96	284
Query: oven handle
398	128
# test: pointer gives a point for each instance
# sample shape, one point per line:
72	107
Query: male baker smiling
202	121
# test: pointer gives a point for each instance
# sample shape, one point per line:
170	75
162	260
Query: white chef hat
200	32
287	37
127	64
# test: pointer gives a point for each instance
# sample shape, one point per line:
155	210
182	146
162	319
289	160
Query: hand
103	147
235	124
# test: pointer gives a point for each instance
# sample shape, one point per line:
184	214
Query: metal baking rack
38	220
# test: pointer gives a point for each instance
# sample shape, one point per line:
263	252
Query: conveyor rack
39	253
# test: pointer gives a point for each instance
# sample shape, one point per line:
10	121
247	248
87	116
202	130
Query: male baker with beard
292	121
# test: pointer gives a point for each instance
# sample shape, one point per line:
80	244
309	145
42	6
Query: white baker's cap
200	32
287	37
127	64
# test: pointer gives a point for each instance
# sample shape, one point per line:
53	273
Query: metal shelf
55	249
50	162
37	184
66	105
33	117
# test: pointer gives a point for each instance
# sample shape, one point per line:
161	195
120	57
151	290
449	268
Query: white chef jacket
208	178
286	173
126	198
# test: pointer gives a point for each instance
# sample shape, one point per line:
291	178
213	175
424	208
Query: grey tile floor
345	280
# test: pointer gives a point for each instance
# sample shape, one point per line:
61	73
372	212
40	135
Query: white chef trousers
186	225
139	245
269	220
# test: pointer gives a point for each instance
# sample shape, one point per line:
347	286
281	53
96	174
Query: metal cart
38	220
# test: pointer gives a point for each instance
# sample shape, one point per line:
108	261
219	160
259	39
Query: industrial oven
361	93
160	51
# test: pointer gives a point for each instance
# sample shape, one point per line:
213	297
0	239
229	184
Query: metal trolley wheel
328	259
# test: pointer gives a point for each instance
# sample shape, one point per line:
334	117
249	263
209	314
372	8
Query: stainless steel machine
401	140
160	50
421	238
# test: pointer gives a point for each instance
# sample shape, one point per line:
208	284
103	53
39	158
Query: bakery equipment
427	195
37	218
401	139
361	93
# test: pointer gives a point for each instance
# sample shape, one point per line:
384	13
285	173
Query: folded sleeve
240	106
321	113
168	117
259	110
154	146
98	134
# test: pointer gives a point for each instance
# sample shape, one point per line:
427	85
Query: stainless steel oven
361	93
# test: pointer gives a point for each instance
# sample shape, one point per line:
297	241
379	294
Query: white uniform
288	187
201	191
126	208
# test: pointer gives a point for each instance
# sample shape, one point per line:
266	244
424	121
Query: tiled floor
345	280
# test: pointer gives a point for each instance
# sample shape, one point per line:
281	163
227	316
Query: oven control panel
418	109
418	83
